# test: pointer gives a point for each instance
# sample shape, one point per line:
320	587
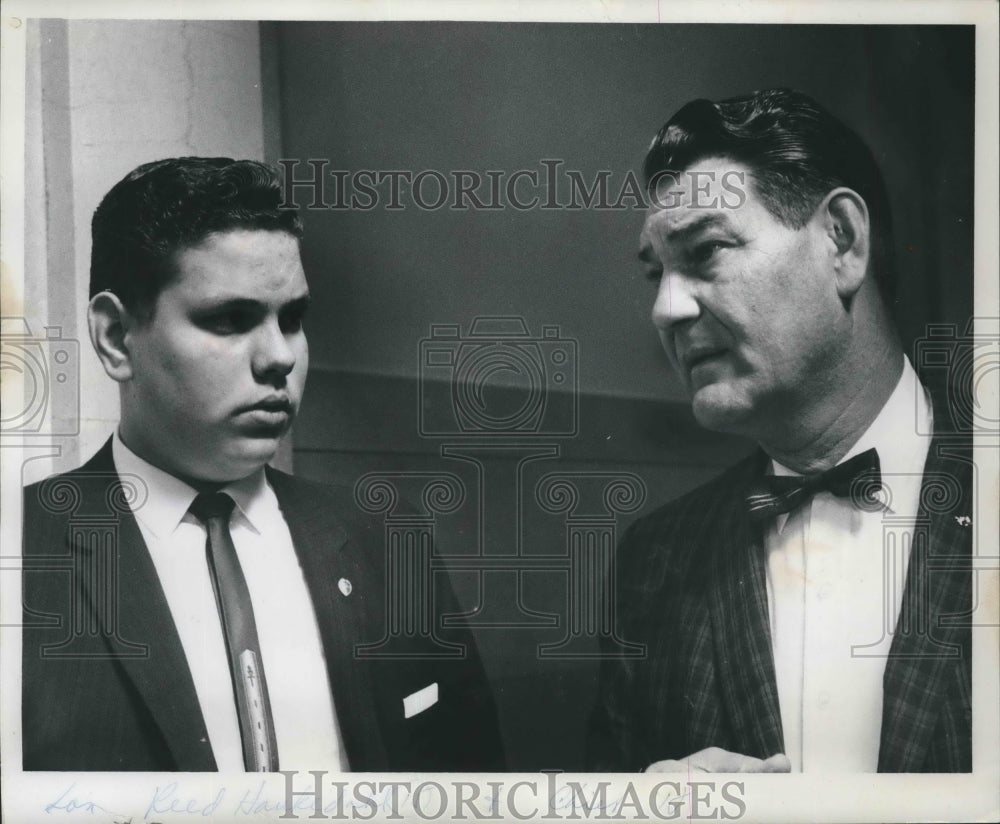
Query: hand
717	760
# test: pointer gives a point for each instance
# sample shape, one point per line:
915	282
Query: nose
675	302
274	354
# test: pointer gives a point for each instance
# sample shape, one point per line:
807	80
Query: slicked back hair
797	153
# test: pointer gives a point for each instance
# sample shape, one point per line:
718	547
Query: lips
698	355
279	403
270	413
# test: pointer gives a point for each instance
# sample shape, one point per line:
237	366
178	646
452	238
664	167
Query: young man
791	615
187	607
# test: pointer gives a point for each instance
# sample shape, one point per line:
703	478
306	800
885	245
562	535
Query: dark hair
797	152
168	205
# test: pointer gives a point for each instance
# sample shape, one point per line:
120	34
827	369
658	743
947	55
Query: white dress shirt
835	577
301	701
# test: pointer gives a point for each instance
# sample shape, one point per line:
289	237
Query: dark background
481	96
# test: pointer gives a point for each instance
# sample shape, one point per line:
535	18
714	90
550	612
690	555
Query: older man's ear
846	223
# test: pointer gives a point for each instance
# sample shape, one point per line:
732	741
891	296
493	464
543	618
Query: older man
791	616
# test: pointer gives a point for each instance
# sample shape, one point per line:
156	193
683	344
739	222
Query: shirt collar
896	431
168	498
896	434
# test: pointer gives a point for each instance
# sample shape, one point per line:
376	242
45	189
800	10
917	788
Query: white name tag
420	700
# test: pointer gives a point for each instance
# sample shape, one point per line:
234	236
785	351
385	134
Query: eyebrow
683	232
697	224
227	304
300	303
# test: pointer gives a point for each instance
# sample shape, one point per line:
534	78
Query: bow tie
859	479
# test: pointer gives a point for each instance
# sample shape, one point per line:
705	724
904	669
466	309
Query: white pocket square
420	700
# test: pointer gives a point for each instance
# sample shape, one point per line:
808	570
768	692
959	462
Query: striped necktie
260	750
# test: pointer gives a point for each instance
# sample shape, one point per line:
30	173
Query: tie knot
853	478
212	505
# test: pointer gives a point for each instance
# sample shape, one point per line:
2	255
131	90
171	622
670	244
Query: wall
438	96
101	98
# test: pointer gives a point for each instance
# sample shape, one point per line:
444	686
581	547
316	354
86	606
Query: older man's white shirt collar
900	433
168	499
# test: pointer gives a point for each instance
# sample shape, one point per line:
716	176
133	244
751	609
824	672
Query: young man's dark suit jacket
94	712
692	588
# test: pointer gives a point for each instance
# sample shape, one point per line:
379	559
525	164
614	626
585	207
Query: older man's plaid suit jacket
691	587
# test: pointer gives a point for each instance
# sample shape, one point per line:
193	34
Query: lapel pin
963	520
344	586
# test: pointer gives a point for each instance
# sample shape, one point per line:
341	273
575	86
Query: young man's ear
108	321
848	227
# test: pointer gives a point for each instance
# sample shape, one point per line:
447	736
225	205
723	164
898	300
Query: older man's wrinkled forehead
711	193
709	184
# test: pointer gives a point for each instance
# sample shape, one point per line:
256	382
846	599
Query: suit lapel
928	639
325	554
738	606
161	675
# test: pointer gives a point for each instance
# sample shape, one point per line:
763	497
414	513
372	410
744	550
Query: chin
719	411
253	456
238	463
